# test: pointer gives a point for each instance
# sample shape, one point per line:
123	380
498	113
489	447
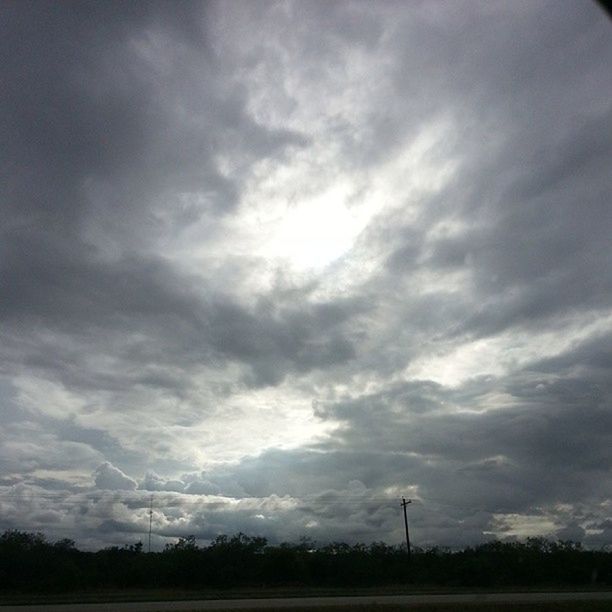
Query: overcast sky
283	263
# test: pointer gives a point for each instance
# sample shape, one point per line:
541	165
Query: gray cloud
107	476
172	180
95	144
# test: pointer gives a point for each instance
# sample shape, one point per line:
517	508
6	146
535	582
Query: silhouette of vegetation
28	562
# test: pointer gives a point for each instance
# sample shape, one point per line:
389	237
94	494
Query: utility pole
404	504
151	520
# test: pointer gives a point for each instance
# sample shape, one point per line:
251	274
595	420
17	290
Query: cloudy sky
278	264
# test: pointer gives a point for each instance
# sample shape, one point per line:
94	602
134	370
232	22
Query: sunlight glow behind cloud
257	258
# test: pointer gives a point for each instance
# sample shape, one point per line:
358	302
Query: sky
271	266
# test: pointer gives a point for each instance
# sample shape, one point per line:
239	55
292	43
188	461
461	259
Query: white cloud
107	476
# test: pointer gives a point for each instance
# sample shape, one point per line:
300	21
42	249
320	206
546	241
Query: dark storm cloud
102	303
326	501
83	121
124	126
94	140
547	445
277	340
74	108
83	104
534	253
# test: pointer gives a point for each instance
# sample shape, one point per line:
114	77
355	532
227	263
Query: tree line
29	562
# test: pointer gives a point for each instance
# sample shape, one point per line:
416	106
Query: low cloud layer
279	265
107	476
